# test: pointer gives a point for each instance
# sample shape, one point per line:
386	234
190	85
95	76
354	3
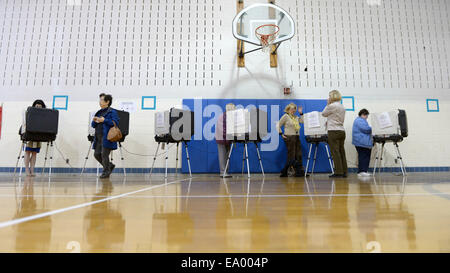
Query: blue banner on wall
204	155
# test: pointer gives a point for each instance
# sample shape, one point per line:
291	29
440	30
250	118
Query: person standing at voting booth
103	121
223	145
33	147
335	114
362	139
291	137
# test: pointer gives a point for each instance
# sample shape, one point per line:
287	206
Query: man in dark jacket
103	120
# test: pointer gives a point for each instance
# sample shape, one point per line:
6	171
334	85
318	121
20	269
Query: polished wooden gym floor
208	214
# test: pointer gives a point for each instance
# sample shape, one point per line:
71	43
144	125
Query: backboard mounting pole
240	43
273	50
253	50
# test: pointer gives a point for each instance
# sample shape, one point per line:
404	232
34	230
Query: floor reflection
104	225
27	205
316	214
172	225
387	218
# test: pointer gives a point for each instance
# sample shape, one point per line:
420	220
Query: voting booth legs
21	159
166	144
98	164
379	158
316	144
121	158
245	157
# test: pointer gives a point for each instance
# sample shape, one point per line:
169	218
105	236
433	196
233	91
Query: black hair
41	102
108	98
363	112
101	95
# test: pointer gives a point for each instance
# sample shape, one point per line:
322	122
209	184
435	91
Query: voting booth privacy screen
178	124
389	123
203	152
91	130
246	124
124	123
315	124
39	124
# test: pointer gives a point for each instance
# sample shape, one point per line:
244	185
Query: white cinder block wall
388	56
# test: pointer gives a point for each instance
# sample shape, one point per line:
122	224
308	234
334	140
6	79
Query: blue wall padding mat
204	156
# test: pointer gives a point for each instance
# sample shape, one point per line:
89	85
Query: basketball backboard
250	18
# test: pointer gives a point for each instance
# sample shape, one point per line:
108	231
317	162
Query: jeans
363	158
102	155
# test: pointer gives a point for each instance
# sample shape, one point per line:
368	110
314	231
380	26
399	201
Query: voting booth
316	133
390	127
173	126
244	126
38	125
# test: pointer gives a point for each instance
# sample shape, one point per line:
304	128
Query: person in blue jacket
103	121
362	139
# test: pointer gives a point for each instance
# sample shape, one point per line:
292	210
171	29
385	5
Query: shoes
336	176
226	176
107	173
104	175
284	171
298	169
344	175
301	174
111	167
364	178
364	174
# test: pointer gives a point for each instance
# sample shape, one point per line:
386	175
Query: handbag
114	133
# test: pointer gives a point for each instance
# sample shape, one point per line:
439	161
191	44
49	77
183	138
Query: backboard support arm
240	43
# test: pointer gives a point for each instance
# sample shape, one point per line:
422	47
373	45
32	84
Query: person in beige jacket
335	114
291	137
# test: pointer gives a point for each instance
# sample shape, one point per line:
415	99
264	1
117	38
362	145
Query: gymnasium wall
381	54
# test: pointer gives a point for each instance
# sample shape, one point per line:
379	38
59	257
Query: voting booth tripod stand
315	141
379	156
91	147
165	140
244	156
21	158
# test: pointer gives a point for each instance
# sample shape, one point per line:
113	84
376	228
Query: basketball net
266	35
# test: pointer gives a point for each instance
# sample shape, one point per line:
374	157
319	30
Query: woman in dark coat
103	121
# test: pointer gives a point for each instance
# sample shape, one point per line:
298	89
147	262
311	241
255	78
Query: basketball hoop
266	35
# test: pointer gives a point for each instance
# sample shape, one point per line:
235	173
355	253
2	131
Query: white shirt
335	114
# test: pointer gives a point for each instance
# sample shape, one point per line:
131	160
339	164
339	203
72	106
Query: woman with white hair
223	145
335	114
291	137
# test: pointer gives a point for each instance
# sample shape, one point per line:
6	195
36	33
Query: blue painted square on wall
144	98
60	97
353	102
432	105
